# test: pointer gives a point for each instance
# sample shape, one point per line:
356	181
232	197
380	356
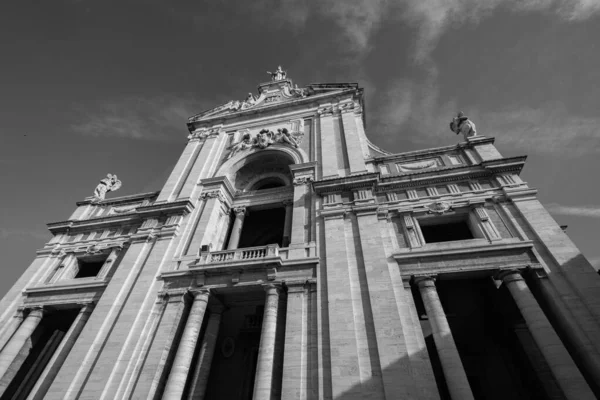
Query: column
287	227
263	383
455	375
329	151
58	358
295	358
580	343
185	352
353	146
207	350
564	369
236	231
13	347
11	327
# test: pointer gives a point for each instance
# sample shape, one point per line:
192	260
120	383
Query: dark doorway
263	227
487	328
35	355
234	363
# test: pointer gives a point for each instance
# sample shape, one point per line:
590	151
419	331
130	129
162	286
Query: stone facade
287	257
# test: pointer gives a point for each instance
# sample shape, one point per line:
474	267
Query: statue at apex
108	184
462	124
278	75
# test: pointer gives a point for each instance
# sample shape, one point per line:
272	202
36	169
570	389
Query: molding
116	200
486	247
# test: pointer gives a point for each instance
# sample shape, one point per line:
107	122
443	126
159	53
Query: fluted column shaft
11	327
185	352
236	231
263	383
563	367
12	348
205	357
454	372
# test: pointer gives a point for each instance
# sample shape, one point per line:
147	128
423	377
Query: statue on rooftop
278	75
249	102
462	124
108	184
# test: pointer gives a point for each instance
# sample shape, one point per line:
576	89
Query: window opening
87	268
263	227
436	231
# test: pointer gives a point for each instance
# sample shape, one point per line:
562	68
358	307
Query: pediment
270	93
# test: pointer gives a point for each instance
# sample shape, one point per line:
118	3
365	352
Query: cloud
153	118
548	128
433	17
576	211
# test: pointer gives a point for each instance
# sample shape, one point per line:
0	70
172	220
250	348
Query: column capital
302	180
240	211
509	275
297	286
425	281
539	273
199	294
272	288
39	311
287	203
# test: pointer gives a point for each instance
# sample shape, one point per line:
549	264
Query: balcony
270	254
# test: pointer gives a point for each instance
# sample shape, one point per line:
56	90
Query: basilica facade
288	257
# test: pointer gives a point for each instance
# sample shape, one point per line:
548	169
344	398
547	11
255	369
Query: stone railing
243	254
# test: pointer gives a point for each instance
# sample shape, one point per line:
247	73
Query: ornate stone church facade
287	257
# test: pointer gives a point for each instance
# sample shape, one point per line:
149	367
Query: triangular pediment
279	90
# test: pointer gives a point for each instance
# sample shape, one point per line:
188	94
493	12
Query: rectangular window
437	230
89	267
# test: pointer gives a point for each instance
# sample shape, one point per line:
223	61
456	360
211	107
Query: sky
91	87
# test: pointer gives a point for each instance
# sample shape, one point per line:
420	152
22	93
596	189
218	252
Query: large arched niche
260	169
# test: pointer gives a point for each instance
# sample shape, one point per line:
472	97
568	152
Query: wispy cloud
359	20
433	18
576	211
155	118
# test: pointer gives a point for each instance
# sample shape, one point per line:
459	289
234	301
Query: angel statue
245	143
283	136
462	124
278	75
108	184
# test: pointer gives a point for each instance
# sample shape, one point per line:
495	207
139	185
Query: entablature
136	214
466	256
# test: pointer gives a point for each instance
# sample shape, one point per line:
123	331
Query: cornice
484	248
183	207
116	200
179	207
368	179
